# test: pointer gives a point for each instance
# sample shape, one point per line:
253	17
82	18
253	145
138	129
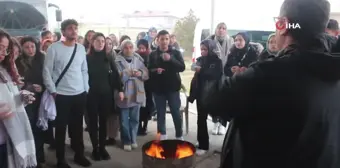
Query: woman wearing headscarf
224	42
145	112
271	48
208	68
241	55
30	66
133	73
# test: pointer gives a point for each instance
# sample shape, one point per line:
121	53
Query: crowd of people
115	85
48	85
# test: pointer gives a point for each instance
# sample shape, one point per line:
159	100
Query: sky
237	12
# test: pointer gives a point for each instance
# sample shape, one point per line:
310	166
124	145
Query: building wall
118	31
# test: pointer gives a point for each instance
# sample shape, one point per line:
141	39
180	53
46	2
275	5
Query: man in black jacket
285	111
165	64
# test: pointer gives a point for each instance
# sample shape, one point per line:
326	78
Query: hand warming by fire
158	150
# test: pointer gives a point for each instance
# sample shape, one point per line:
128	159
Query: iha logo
281	24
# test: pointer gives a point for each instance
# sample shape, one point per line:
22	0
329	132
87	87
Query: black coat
241	58
336	48
32	74
211	70
285	112
170	80
103	74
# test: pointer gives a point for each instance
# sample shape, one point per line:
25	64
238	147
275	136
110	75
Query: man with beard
66	78
285	110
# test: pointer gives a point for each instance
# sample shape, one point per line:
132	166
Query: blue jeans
129	120
174	102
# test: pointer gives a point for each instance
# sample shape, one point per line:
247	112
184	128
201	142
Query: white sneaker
221	130
127	148
180	138
134	146
197	145
163	137
200	152
215	129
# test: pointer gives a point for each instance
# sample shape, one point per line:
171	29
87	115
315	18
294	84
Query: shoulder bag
67	66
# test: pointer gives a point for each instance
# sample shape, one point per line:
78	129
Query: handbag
67	66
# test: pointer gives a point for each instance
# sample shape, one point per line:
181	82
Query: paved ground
122	159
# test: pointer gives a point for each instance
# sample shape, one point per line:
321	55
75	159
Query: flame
157	151
183	151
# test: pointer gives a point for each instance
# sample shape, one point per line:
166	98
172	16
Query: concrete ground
122	159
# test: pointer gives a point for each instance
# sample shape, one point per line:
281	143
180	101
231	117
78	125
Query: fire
183	151
157	151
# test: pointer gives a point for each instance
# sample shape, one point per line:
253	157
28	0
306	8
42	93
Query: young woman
114	39
104	80
30	65
16	48
88	37
16	139
145	112
208	68
133	74
109	47
242	54
271	48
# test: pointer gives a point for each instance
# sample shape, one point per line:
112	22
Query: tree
185	31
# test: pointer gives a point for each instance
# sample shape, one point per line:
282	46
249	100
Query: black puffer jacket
211	70
240	57
285	112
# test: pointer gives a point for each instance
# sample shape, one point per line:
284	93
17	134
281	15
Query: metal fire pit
170	161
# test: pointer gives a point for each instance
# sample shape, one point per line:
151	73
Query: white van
202	31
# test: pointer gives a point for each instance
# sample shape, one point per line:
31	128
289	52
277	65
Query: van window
260	36
205	34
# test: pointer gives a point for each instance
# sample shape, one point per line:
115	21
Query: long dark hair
86	42
8	62
92	50
23	59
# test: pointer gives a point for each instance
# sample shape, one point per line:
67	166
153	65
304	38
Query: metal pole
212	14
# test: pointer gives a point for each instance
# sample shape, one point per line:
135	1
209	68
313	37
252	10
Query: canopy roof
19	15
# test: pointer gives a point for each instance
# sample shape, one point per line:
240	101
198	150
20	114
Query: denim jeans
174	102
129	120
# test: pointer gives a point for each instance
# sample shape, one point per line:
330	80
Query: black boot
96	154
82	160
63	164
104	154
